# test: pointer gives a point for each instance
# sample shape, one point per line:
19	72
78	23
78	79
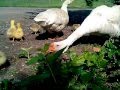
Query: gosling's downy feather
2	58
12	29
36	27
19	32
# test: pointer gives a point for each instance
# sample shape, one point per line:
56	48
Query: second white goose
54	19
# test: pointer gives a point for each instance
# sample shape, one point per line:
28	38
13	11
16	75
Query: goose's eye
57	45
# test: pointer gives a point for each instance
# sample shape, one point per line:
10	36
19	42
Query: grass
51	3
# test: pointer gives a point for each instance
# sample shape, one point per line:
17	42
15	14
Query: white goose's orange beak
51	48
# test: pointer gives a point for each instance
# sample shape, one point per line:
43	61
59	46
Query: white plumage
102	19
54	19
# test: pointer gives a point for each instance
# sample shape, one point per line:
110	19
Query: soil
15	67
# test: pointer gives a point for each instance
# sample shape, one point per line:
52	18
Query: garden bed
15	68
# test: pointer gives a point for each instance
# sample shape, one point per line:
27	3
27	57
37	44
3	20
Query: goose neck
79	32
64	7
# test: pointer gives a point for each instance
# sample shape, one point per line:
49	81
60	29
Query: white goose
102	19
55	18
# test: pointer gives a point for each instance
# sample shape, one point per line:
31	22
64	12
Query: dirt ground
15	67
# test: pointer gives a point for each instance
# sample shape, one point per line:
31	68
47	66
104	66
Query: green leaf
36	59
44	75
77	70
44	49
23	54
64	69
5	83
72	82
95	87
79	61
86	76
89	56
46	46
26	49
72	55
54	56
89	63
33	79
102	63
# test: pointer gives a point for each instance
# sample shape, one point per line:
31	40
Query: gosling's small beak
51	48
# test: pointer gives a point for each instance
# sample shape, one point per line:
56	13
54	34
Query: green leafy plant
4	85
88	71
111	51
46	68
25	52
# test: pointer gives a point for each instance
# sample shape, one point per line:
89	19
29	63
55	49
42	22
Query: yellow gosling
11	30
19	32
2	58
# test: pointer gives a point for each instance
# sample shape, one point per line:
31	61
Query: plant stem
28	55
51	72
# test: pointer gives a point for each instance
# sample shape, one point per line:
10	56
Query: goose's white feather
102	19
54	18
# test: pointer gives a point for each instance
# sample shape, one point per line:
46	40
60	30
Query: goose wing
111	14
